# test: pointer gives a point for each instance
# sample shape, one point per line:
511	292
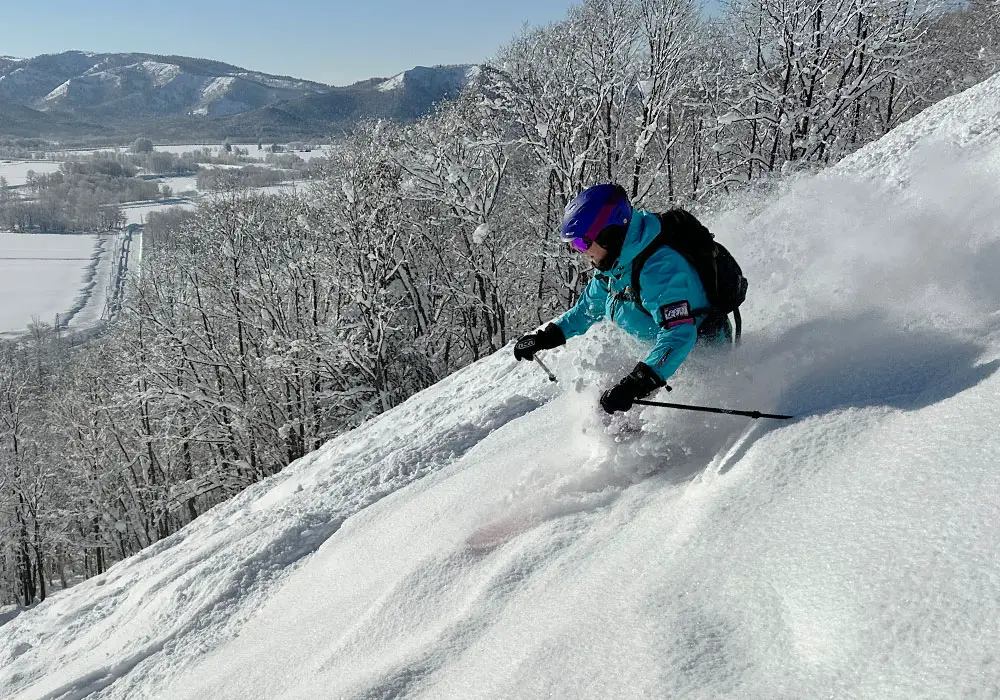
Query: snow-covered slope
490	538
142	84
436	80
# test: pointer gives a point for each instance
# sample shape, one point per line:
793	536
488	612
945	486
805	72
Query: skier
673	312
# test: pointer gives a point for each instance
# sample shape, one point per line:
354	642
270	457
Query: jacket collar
643	228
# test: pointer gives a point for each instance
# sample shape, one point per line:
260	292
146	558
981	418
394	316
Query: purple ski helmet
592	211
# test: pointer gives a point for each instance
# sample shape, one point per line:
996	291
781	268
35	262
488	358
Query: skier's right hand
545	339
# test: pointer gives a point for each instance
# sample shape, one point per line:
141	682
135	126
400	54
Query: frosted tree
456	163
542	86
15	533
142	145
33	481
605	95
961	48
668	68
810	66
360	206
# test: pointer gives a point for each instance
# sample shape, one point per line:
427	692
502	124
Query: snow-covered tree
812	71
455	166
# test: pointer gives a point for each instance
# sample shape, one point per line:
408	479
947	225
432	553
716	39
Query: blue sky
335	41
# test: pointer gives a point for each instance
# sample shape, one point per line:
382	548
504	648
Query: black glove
640	382
547	338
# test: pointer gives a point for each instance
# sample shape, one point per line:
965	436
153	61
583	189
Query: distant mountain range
79	95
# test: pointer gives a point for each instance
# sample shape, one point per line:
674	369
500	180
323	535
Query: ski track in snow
492	537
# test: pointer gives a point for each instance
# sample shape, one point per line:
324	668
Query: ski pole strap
708	409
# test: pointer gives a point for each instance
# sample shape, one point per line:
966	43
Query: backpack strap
640	260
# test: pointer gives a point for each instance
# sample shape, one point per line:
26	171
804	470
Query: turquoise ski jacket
671	294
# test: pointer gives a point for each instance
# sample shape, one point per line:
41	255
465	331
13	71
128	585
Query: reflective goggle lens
580	244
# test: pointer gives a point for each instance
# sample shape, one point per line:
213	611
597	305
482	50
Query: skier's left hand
640	382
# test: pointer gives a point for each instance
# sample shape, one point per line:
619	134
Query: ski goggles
605	237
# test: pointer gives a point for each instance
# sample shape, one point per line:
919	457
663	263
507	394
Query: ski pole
552	377
709	409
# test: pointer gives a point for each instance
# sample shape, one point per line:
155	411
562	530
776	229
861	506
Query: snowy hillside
168	87
437	80
106	84
491	538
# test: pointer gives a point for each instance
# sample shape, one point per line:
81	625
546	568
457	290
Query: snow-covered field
180	184
43	276
216	149
490	538
16	171
138	212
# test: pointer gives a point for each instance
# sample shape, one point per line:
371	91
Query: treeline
83	196
262	326
22	148
248	176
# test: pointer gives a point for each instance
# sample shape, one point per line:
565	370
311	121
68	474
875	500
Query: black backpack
720	274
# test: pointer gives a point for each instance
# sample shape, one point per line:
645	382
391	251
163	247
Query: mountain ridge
169	96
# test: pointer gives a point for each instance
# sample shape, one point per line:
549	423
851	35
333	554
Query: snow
967	122
179	183
492	538
214	100
162	73
215	148
278	82
58	92
45	275
396	82
292	188
220	107
217	88
86	82
137	212
16	171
